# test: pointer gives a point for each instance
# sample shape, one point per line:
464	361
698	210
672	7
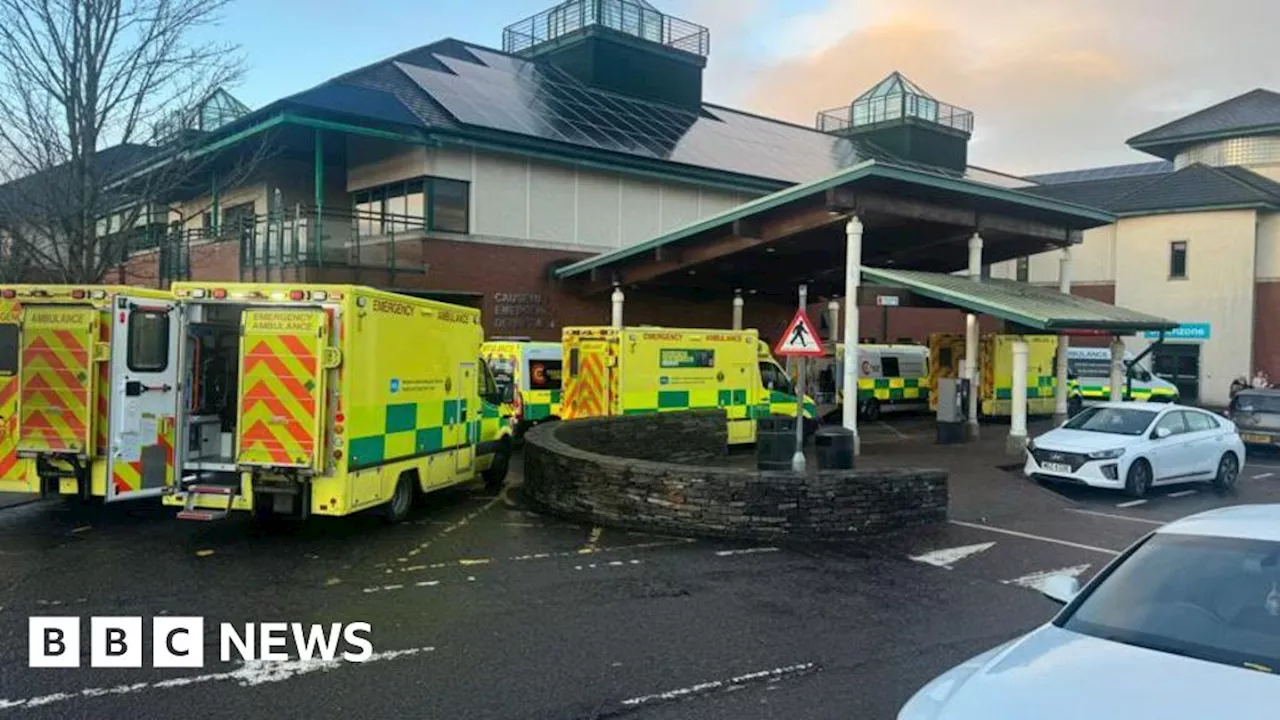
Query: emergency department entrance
1179	363
908	228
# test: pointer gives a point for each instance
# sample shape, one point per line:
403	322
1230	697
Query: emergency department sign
800	339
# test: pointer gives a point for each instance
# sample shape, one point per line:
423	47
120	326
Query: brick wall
700	498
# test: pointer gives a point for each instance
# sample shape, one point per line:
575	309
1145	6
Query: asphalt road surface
482	609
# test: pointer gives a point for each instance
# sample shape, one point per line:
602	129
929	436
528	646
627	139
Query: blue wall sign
1185	331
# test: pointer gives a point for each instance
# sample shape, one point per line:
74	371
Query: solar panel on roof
536	99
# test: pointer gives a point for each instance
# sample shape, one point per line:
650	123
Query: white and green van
891	378
1089	379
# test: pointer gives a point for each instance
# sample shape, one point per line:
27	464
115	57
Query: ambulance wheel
496	475
401	502
871	409
263	508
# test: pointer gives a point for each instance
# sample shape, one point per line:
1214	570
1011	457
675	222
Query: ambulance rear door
56	379
144	445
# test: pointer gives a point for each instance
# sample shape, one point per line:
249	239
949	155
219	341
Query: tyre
1228	472
871	409
1138	480
401	502
263	510
496	475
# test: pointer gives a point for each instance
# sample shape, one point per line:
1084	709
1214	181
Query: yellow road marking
592	541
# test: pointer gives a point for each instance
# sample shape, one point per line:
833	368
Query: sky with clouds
1053	84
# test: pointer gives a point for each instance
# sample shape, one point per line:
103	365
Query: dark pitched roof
1092	193
108	162
1109	172
457	87
1253	112
1194	187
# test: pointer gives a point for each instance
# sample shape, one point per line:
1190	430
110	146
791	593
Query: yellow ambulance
612	371
532	372
15	472
71	343
301	399
995	353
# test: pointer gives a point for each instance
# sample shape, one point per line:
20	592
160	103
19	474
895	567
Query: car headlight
1111	454
1031	445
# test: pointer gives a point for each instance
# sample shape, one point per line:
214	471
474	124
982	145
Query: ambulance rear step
194	492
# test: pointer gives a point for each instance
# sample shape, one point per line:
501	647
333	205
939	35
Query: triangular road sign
800	338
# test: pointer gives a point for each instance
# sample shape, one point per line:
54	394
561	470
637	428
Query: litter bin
834	445
775	442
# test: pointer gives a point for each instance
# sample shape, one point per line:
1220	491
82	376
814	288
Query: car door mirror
1061	588
1161	433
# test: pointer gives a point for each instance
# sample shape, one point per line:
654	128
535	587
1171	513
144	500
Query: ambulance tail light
198	293
517	406
8	294
219	293
296	295
77	294
98	294
319	295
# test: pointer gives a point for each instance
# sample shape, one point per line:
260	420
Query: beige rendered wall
537	202
1218	289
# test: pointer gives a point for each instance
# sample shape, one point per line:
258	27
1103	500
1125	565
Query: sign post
799	340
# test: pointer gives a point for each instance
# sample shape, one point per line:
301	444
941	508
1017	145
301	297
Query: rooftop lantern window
636	18
894	98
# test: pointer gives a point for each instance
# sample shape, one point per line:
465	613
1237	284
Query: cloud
1053	85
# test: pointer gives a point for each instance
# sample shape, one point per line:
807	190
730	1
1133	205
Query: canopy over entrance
1031	306
913	217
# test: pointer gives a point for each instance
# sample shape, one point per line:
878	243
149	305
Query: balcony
330	240
637	19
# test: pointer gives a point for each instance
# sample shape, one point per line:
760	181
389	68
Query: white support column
1060	404
1117	370
737	309
852	276
833	321
618	299
973	365
1017	441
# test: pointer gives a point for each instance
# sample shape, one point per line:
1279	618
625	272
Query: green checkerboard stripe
403	422
1043	388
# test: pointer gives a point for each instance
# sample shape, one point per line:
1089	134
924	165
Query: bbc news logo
179	642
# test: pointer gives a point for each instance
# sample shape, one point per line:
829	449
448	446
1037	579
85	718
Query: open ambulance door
282	386
145	396
56	378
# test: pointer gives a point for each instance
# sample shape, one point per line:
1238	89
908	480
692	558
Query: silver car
1256	414
1185	624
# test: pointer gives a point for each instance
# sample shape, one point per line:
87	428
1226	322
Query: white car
1184	625
1133	446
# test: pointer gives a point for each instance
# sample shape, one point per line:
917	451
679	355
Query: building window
1178	259
413	204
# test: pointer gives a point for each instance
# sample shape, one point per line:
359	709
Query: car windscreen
1118	421
1255	403
503	370
1212	598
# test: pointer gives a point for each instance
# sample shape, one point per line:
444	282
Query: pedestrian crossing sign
800	339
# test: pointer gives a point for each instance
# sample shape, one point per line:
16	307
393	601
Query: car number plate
1254	438
1057	467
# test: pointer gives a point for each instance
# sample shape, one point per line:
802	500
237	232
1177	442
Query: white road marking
1036	580
718	685
901	435
947	557
1183	493
1117	517
252	673
1131	503
1259	476
746	551
453	527
1029	536
612	563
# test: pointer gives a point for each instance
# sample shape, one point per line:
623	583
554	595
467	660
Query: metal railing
875	110
295	237
620	15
